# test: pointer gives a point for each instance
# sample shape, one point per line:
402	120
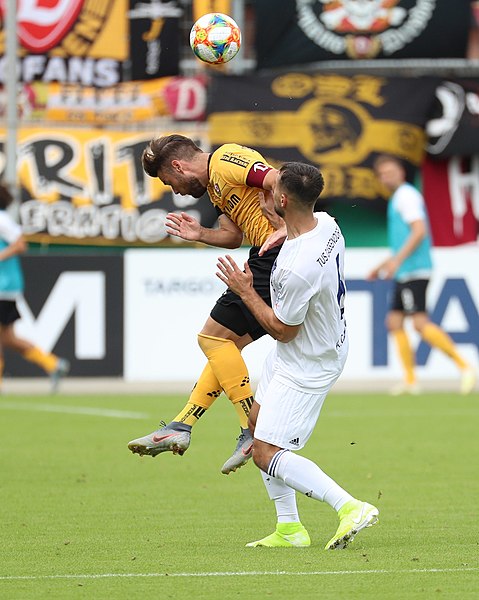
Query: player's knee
394	322
257	459
420	320
263	454
210	343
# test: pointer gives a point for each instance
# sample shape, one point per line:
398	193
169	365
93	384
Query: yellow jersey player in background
234	177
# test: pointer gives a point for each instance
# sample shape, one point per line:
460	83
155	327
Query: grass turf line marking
73	410
238	574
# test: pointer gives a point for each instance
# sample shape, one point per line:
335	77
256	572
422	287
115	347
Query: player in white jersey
307	320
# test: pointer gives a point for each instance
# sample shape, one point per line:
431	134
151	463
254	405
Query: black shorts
229	309
8	312
410	297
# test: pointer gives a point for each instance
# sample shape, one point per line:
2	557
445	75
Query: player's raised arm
186	227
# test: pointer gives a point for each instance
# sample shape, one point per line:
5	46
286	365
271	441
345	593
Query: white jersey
11	277
307	288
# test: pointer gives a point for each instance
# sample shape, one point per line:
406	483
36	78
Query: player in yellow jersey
234	177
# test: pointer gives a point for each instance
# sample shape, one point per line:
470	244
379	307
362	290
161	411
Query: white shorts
287	416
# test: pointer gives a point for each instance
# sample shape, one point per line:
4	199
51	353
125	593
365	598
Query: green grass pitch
81	517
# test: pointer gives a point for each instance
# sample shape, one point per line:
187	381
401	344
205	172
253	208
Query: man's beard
195	187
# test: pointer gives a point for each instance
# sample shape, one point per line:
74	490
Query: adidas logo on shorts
294	442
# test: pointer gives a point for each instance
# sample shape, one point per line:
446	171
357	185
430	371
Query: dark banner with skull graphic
306	31
337	122
453	129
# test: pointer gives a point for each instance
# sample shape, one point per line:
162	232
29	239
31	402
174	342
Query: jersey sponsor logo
231	203
326	253
342	338
278	291
235	160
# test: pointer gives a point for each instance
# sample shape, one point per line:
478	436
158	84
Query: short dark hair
6	197
385	158
302	181
161	151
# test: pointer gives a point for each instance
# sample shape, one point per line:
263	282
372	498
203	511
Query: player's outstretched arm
183	225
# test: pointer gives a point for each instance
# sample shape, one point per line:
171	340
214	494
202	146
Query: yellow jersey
235	175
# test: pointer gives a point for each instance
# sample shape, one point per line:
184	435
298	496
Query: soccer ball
215	38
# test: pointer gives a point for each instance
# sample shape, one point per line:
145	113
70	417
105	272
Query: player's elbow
286	333
235	241
21	246
419	229
284	337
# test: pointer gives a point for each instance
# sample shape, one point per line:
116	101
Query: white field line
238	574
73	410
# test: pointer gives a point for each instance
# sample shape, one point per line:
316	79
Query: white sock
306	477
284	498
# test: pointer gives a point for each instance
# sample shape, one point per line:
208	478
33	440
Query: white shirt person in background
307	320
12	245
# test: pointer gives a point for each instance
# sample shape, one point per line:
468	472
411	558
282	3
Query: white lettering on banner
97	152
191	99
440	130
401	26
102	72
462	185
153	54
419	17
472	101
111	222
77	294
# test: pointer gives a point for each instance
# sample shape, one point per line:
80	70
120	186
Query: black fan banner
336	122
306	31
453	129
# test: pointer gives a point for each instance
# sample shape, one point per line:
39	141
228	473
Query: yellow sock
205	392
406	355
230	369
436	337
243	407
47	362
